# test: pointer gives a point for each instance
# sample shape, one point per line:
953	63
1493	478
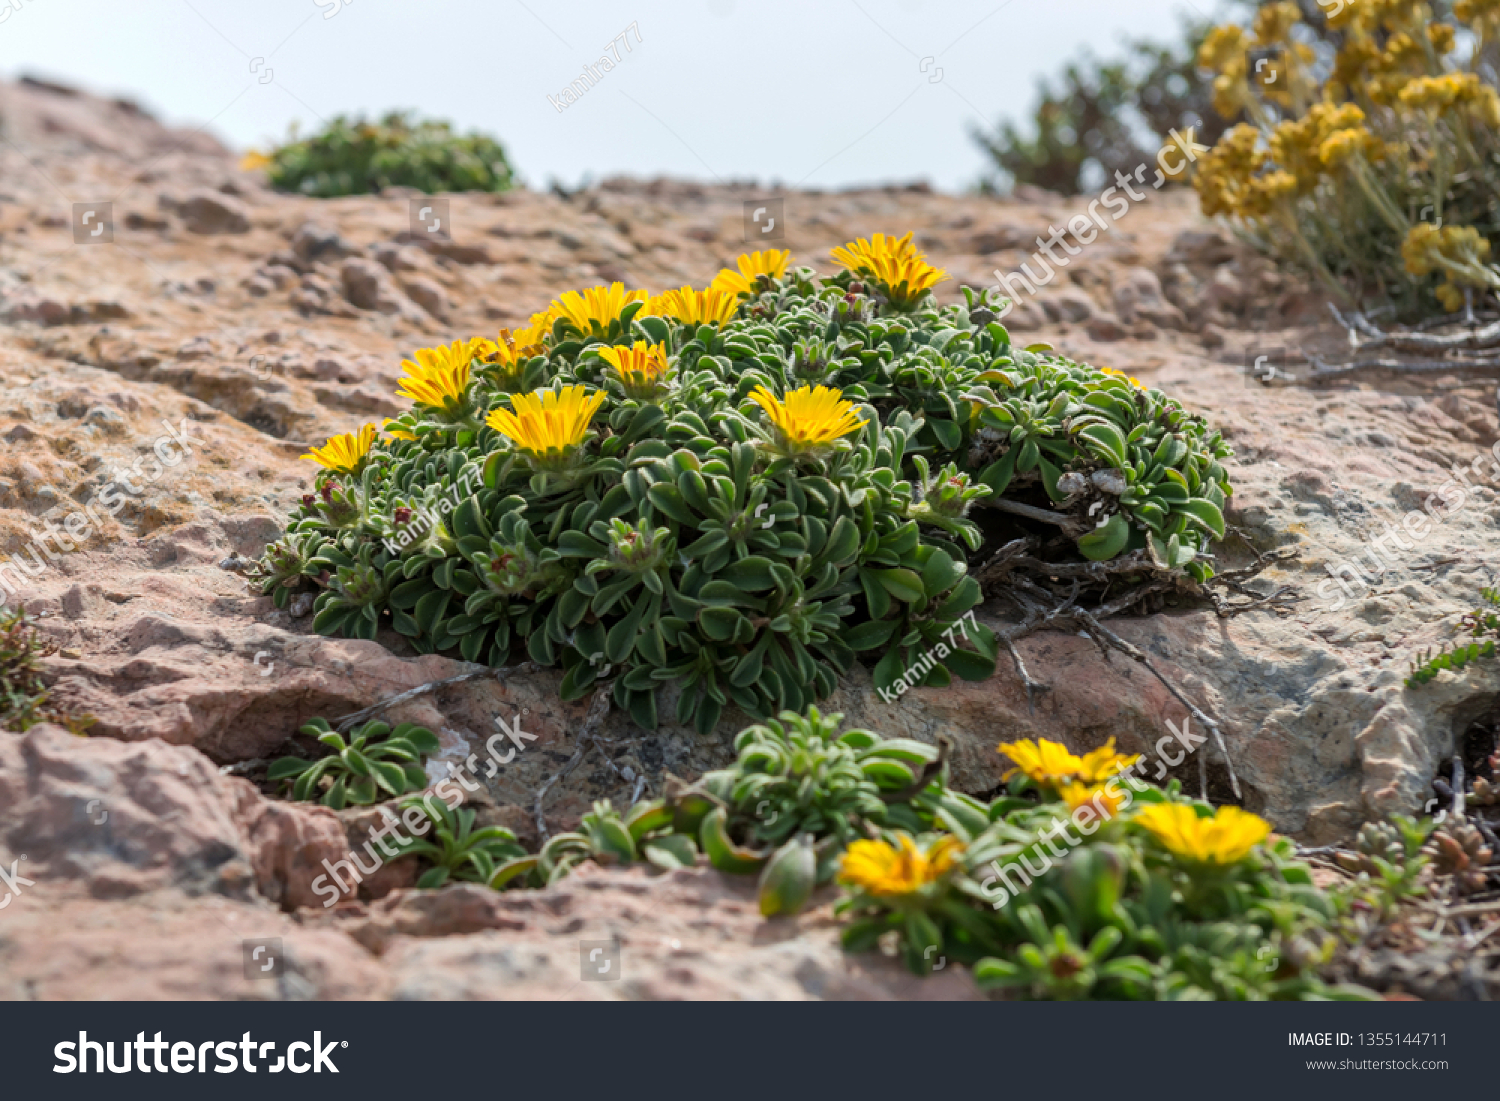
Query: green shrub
724	528
1101	117
352	156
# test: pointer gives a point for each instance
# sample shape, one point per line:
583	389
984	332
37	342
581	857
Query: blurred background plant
354	156
1100	117
1368	152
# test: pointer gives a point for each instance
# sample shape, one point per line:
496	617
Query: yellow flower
1121	374
398	432
548	425
1341	145
439	378
506	355
1225	838
592	310
713	306
893	262
1104	802
1044	762
901	869
808	419
345	454
1223	47
860	253
772	262
253	161
1100	764
642	368
1052	765
1275	21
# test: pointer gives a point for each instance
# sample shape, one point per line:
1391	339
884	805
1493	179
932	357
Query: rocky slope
191	353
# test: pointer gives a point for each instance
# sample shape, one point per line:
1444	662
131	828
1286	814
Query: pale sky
818	93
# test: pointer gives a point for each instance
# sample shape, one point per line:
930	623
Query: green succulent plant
604	836
680	544
374	763
456	850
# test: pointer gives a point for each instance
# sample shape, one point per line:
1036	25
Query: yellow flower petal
344	454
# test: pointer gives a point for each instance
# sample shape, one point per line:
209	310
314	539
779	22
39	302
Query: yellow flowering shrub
1368	154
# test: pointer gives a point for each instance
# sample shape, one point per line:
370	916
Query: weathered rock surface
257	342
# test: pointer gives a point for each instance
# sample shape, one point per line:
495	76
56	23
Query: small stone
317	241
427	294
212	212
136	219
1106	328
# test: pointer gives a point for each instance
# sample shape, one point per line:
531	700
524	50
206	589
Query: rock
1138	297
1106	328
1071	305
1213	337
316	295
1208	248
118	818
212	212
428	294
138	219
36	308
280	275
316	241
1000	238
398	257
1025	317
368	286
1225	292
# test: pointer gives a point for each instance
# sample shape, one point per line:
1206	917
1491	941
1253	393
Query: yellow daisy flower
752	265
901	869
695	307
1052	765
548	425
592	310
808	419
1100	764
1106	804
398	432
1225	838
893	262
345	454
439	378
254	160
642	368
